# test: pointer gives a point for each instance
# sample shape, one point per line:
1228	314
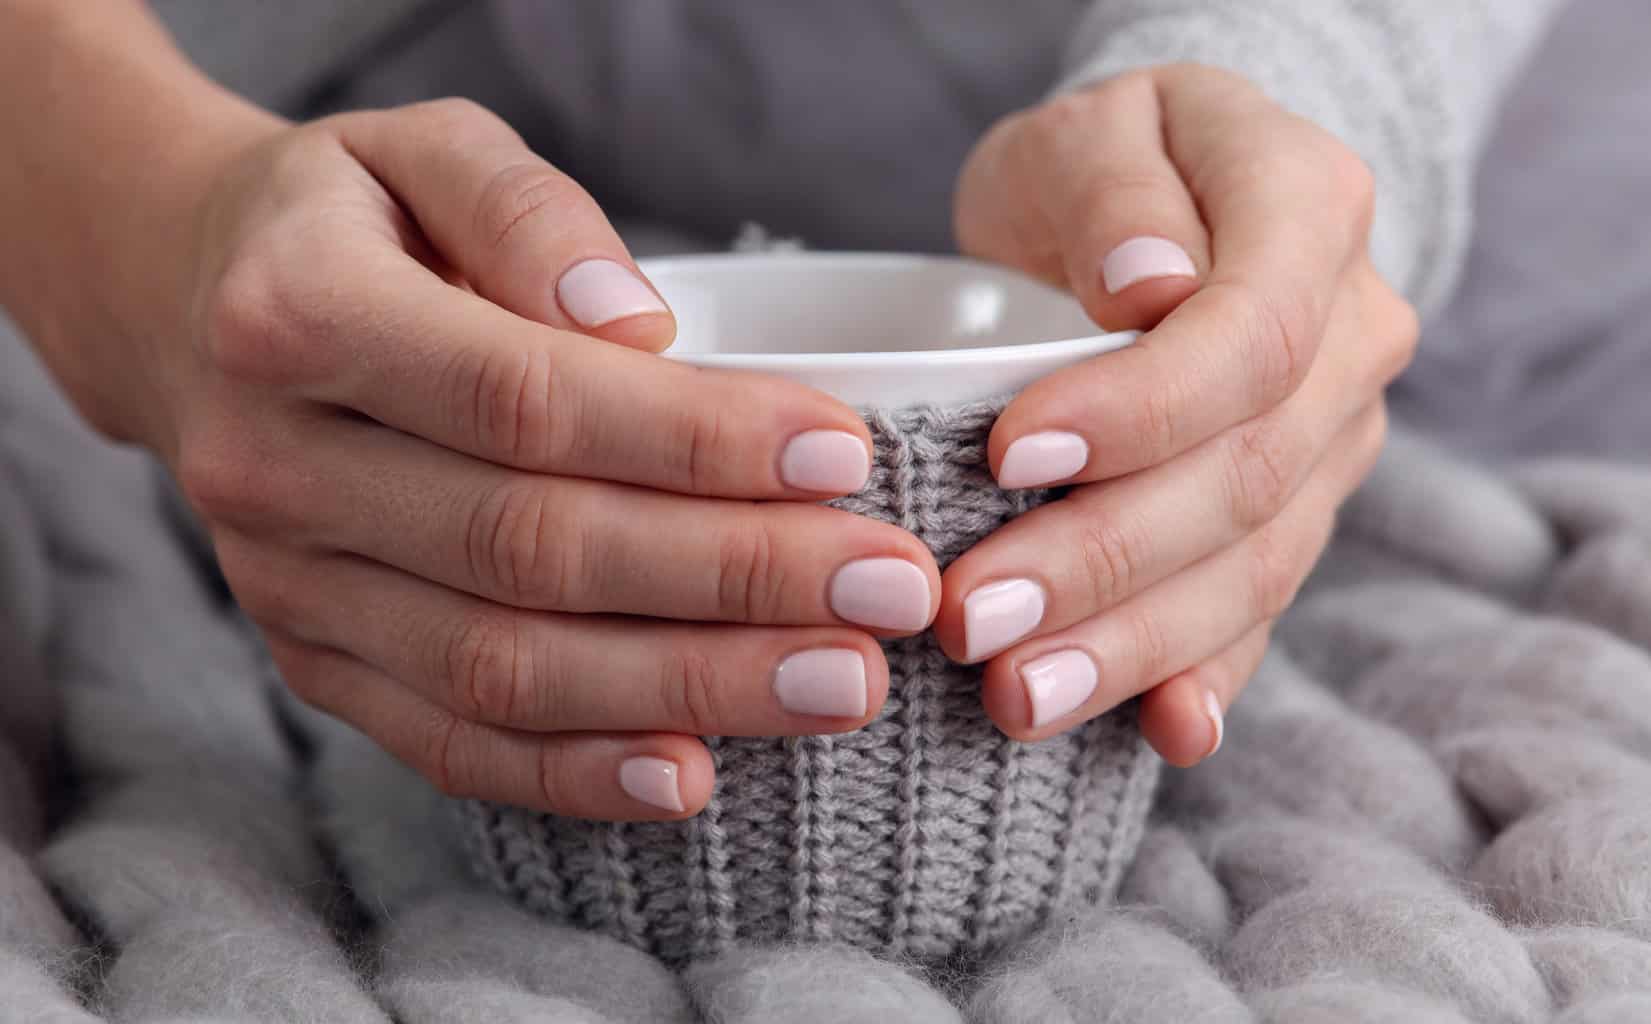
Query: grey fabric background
1547	346
277	52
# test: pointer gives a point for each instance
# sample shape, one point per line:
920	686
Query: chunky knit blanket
1431	805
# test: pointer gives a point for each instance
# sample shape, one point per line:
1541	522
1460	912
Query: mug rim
1057	348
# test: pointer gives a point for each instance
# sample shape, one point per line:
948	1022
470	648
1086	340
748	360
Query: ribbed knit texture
925	834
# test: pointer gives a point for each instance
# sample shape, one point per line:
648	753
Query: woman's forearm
110	138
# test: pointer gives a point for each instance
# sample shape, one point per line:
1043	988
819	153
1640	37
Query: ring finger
550	672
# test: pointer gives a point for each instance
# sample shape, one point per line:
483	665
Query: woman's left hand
1210	456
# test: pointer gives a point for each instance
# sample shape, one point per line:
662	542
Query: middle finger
575	545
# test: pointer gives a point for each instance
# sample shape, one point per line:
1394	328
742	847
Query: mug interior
875	329
797	304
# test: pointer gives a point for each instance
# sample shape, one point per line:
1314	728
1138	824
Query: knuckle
1280	335
510	548
438	755
1390	323
1276	572
455	119
698	453
1042	133
247	329
1207	76
1153	422
692	693
223	483
1078	109
272	315
503	400
1260	477
522	193
1351	179
1151	643
1405	334
558	778
1113	557
1057	117
750	578
484	665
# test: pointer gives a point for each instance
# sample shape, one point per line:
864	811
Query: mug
927	834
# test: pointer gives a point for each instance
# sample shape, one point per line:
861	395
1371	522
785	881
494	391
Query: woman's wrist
116	143
155	269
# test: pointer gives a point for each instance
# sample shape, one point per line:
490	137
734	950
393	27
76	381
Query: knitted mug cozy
926	834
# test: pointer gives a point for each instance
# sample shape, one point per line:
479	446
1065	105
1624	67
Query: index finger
405	348
1288	212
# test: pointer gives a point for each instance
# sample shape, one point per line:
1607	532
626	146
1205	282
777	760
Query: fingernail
833	461
885	593
830	681
1057	684
1039	459
1212	710
598	292
1142	259
651	780
998	614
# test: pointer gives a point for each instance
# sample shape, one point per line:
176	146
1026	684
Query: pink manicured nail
1039	459
651	780
830	682
598	292
998	614
1142	259
1212	709
885	593
833	461
1057	684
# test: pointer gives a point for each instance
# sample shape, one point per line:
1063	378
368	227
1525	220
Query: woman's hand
525	560
1211	456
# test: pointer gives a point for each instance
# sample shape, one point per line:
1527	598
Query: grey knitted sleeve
1411	85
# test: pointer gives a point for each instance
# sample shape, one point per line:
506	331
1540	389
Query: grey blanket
1431	805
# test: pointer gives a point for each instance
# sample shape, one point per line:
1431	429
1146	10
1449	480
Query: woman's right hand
419	411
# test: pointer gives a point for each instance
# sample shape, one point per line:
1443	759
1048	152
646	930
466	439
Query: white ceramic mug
876	330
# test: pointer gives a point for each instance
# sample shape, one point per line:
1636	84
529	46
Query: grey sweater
846	122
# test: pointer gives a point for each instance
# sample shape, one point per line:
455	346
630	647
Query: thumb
521	233
1081	192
